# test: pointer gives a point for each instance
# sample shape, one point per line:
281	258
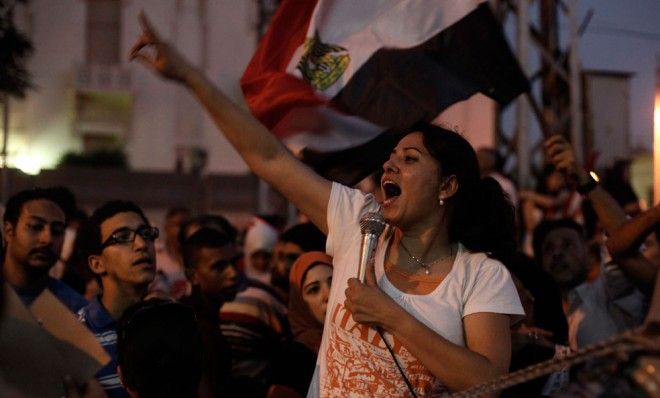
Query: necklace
425	265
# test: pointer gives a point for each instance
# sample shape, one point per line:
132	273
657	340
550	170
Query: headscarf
259	237
305	328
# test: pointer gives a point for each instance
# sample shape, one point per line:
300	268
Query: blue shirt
69	297
99	321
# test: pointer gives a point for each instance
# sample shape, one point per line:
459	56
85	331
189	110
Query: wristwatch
589	185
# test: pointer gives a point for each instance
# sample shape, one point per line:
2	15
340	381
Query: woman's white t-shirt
353	360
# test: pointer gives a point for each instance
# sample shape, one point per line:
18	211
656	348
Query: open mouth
391	190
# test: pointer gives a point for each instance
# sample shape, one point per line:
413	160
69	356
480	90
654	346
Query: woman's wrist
395	318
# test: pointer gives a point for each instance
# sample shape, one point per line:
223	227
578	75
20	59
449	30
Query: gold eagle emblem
322	64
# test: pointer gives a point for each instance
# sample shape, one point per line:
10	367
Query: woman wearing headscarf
310	280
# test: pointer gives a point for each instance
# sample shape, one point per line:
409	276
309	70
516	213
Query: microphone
371	226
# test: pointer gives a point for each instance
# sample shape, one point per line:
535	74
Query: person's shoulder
84	314
264	290
347	196
476	258
56	284
257	297
96	317
474	264
65	293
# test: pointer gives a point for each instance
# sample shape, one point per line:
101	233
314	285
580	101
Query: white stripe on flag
324	129
363	27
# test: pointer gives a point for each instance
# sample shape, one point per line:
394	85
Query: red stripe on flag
270	92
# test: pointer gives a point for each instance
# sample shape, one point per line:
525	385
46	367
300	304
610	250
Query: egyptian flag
334	78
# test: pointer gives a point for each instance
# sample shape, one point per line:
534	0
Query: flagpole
3	153
577	137
521	104
656	137
656	142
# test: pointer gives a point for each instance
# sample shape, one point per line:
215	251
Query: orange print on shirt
359	364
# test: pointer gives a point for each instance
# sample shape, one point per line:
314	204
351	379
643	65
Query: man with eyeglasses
118	243
34	224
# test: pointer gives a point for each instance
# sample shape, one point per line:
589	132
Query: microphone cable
396	362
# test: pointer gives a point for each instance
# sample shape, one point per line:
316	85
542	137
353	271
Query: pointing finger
147	28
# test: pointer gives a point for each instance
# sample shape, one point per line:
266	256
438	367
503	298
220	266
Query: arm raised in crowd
638	269
561	154
627	238
262	152
623	244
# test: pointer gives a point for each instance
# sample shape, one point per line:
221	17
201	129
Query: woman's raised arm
262	151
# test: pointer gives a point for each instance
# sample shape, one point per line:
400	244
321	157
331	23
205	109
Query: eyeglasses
127	235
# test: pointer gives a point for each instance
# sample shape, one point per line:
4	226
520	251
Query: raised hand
261	150
165	61
560	153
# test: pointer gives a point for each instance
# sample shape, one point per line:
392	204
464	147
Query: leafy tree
15	49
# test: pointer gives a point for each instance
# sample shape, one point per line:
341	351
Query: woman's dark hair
159	349
482	218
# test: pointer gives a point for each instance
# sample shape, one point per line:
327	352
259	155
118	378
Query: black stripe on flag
397	87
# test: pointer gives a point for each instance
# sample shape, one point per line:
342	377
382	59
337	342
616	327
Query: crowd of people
470	279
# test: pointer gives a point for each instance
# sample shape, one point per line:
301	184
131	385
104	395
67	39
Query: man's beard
44	256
